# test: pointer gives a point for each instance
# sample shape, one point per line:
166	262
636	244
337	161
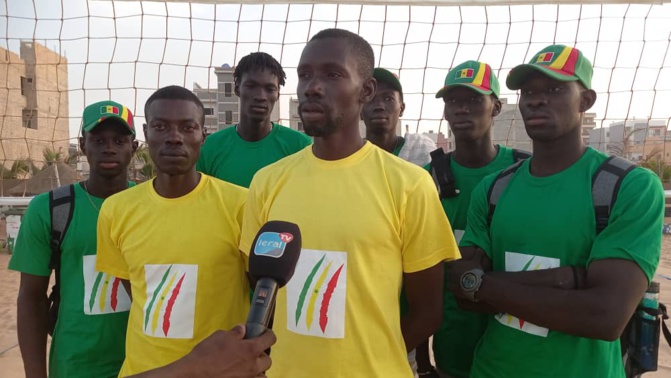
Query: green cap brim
441	92
93	125
519	74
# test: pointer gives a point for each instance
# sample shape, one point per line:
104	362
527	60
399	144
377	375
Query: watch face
468	281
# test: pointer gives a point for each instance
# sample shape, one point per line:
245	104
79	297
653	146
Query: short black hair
358	46
259	61
175	92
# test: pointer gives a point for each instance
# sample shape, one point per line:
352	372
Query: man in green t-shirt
560	292
236	153
89	337
381	117
471	97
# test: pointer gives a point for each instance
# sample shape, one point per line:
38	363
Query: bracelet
576	283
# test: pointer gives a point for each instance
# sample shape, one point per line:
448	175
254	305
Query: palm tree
51	157
20	169
142	158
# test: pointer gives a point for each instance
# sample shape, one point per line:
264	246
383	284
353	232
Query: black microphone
272	262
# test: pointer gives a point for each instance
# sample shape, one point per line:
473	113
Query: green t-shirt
228	157
455	341
550	220
89	338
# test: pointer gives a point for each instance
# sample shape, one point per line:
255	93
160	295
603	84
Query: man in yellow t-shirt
174	239
369	222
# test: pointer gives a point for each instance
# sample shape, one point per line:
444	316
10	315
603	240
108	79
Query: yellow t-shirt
364	221
182	259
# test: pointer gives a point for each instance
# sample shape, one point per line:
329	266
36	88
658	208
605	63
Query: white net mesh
63	55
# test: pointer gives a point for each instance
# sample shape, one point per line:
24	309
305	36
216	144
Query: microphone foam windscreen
275	251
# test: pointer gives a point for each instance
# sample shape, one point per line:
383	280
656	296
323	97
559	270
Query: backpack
441	171
61	208
640	339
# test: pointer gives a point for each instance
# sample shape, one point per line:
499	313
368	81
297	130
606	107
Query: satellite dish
225	65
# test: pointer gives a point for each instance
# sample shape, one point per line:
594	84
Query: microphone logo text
272	244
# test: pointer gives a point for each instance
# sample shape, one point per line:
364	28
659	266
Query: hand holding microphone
272	261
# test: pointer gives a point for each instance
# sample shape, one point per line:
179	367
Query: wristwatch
470	282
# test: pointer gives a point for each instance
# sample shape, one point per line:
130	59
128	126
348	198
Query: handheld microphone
272	262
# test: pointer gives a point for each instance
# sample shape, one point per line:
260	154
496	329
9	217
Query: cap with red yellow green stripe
471	74
558	62
96	113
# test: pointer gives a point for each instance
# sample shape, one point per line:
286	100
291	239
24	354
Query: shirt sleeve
634	230
110	259
477	230
426	232
32	252
254	217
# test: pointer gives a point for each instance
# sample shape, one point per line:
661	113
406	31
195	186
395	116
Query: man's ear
587	100
369	90
236	88
135	146
402	109
82	144
496	109
144	129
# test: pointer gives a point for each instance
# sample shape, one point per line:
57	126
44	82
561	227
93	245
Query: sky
124	50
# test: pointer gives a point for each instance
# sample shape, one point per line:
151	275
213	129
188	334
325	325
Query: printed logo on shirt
272	244
458	234
169	311
520	262
103	294
316	294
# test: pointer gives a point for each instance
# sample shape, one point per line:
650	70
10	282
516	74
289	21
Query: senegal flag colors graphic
316	294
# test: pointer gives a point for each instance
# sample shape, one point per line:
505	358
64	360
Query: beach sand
11	365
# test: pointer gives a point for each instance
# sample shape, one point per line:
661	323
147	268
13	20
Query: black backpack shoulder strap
520	155
498	186
606	183
61	209
441	171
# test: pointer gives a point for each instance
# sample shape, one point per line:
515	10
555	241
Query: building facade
636	139
34	103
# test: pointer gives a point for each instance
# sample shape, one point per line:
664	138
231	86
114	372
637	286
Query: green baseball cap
382	75
96	113
477	76
558	62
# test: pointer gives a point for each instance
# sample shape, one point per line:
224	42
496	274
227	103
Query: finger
265	341
238	331
263	363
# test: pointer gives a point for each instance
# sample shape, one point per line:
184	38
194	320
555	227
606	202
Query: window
229	116
209	111
228	90
299	125
26	85
29	118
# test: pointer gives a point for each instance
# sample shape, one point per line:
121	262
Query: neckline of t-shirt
259	143
348	161
500	156
204	179
559	176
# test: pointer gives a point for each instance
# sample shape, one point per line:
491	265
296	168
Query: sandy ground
11	365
